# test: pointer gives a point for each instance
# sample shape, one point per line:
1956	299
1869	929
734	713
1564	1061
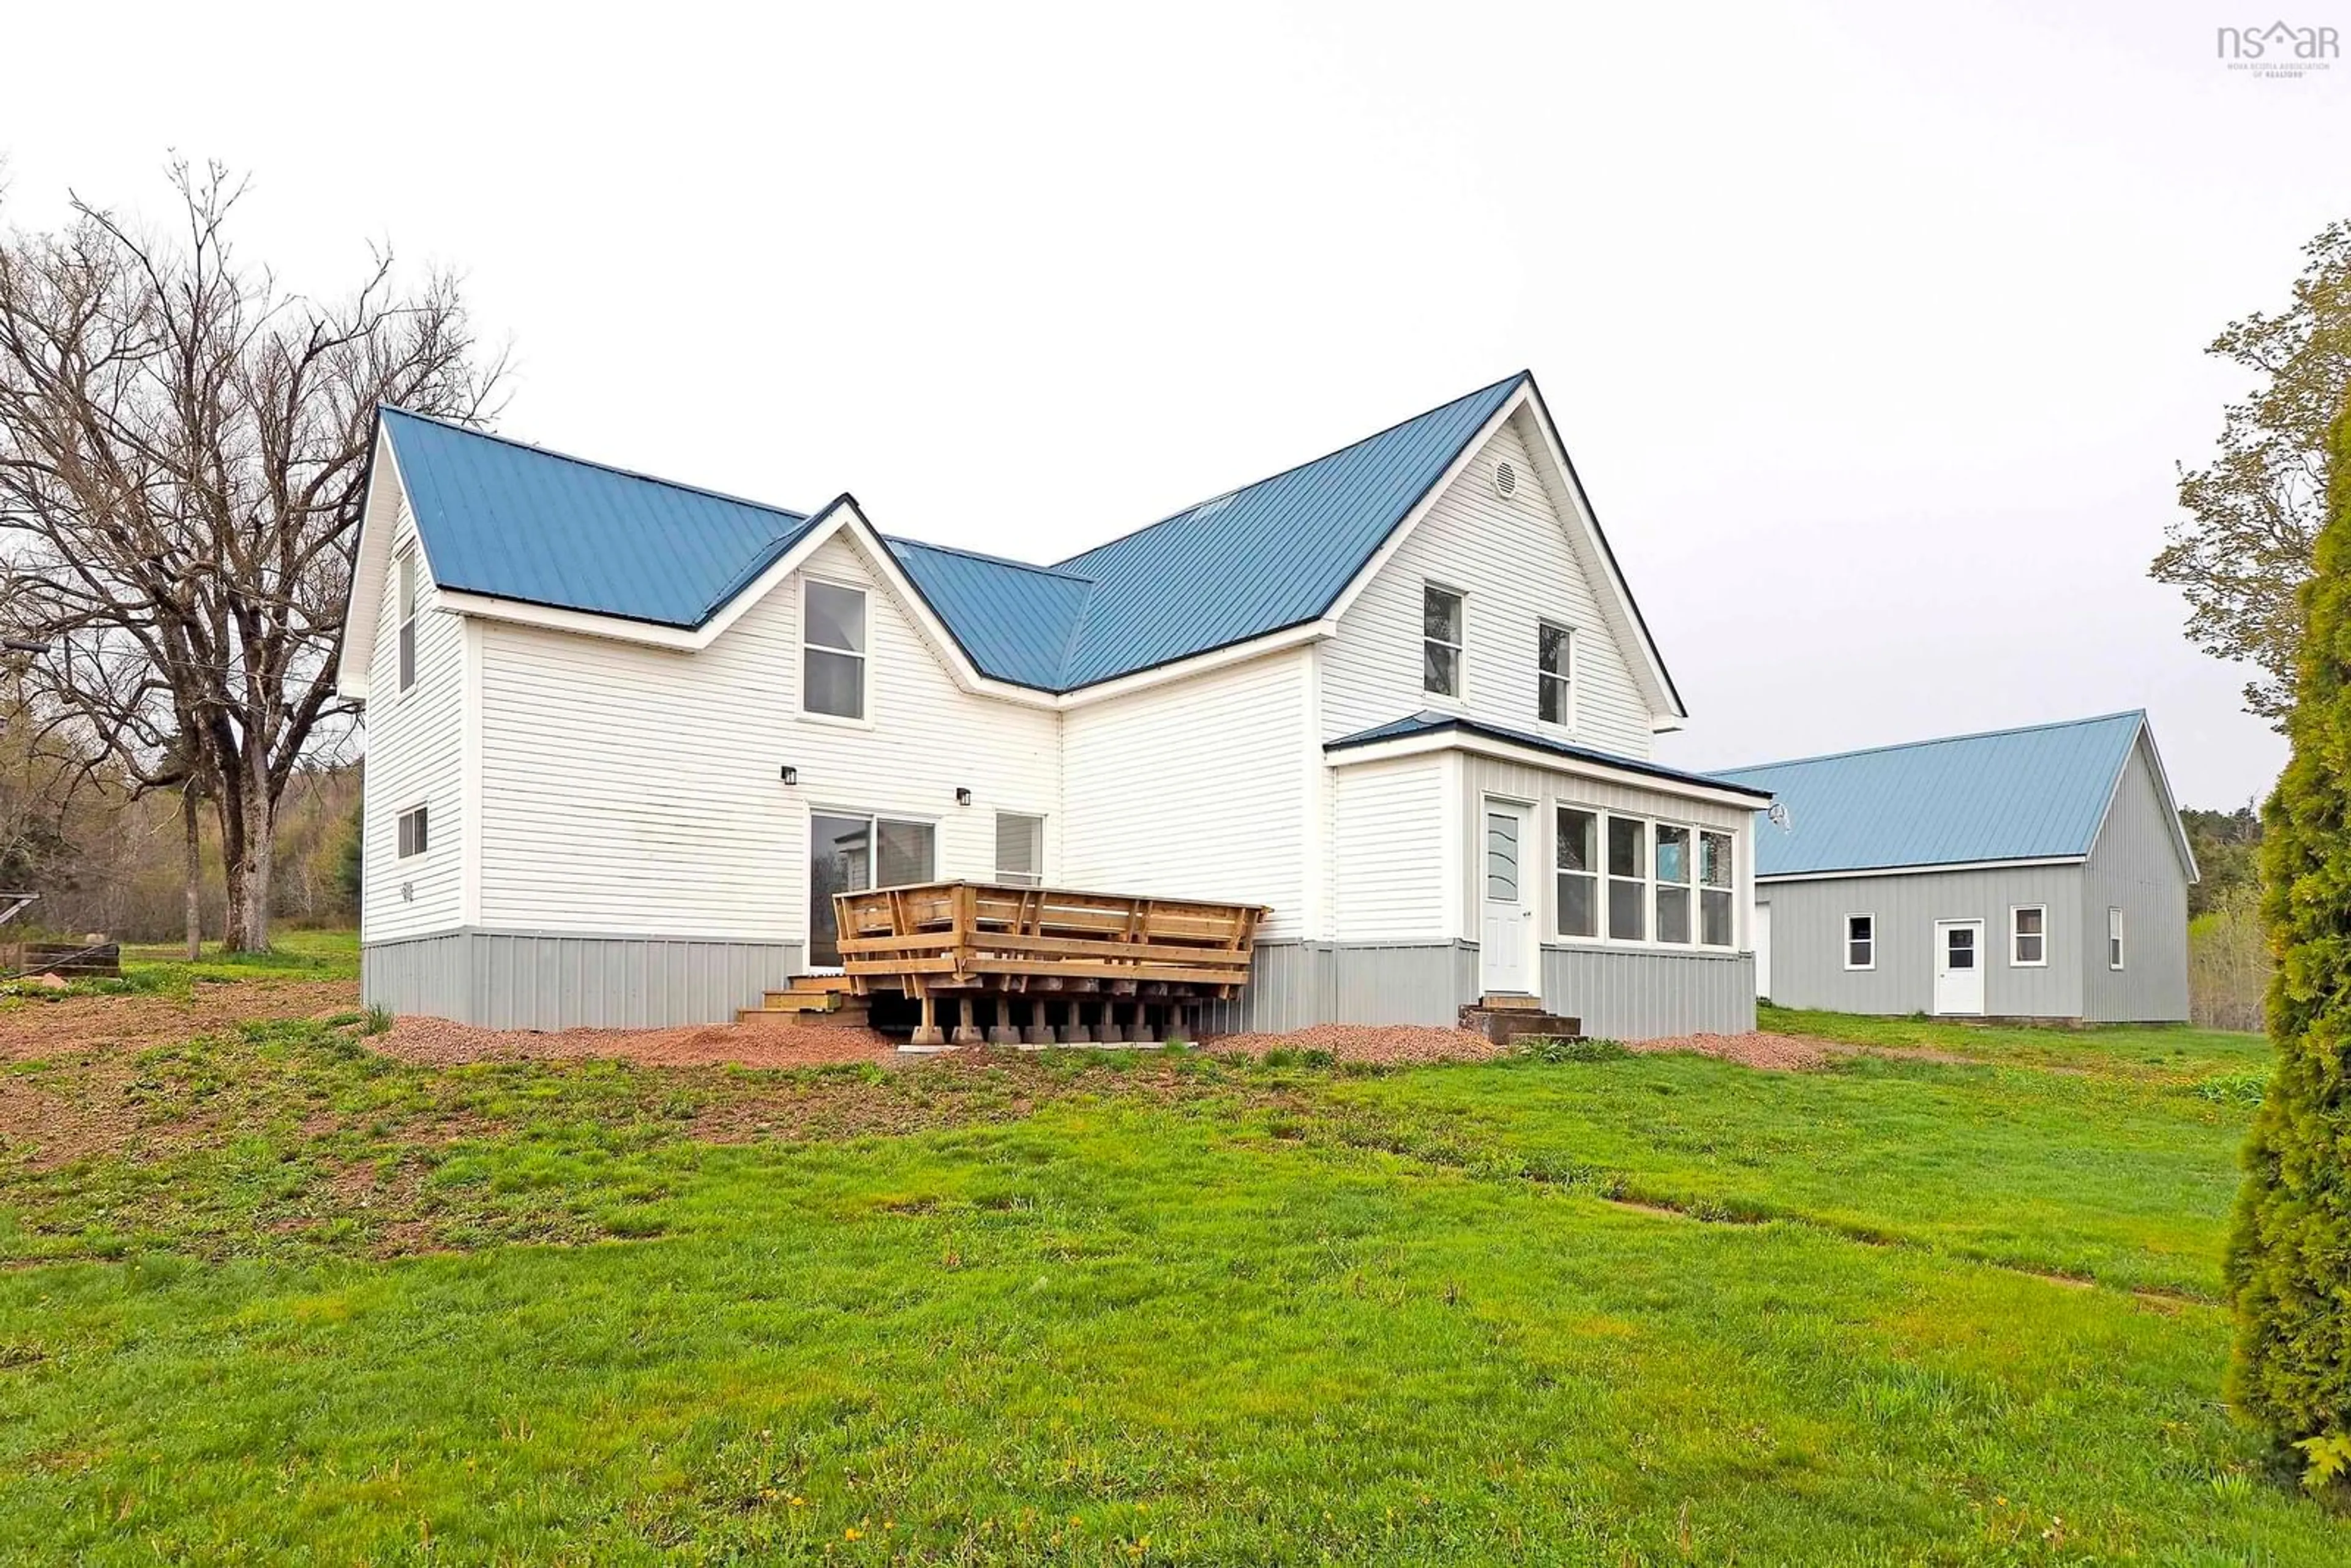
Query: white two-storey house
626	736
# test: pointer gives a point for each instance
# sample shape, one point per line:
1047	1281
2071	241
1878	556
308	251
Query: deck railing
994	938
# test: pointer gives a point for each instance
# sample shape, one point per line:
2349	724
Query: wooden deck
1119	956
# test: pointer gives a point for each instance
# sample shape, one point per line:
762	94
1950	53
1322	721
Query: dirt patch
1369	1042
36	1029
438	1042
1772	1052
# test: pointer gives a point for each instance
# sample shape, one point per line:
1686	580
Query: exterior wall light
962	796
790	775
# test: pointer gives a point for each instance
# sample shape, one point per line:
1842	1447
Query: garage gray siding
1808	949
2135	867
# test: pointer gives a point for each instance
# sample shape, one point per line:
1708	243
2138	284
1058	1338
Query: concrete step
1503	1025
1509	1001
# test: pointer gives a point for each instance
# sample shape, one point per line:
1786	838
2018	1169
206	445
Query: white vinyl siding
1514	564
633	790
415	757
1388	850
1197	788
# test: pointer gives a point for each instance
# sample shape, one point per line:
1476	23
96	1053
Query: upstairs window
412	837
1019	849
2028	937
1440	641
1714	885
1673	883
1579	873
407	620
2114	938
1554	671
1861	941
832	649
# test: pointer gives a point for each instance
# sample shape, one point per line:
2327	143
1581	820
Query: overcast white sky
1875	331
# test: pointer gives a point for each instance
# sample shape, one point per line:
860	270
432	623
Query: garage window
1861	941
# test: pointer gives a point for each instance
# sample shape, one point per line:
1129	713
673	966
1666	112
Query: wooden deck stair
823	1000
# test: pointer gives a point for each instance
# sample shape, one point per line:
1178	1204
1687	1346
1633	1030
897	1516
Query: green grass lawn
305	1305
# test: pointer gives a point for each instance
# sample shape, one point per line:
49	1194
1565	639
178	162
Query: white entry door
1959	967
1506	936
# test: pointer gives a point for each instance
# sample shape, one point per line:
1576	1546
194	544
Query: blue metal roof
1270	555
2013	794
1013	619
1429	721
516	521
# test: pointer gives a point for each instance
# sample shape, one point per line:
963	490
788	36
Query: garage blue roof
514	521
2036	793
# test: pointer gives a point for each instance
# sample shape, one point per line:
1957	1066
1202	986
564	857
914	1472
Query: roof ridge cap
2136	712
1309	462
536	450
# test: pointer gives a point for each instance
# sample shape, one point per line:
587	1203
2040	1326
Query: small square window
412	837
1861	941
2029	936
1019	849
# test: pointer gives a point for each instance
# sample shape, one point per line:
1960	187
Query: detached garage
2029	874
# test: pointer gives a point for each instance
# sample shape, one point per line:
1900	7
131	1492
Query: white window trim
2014	935
1598	874
865	658
1458	699
2118	954
1563	726
1844	940
1602	878
1013	879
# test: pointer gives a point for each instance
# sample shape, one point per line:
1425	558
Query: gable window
1440	641
1019	849
1629	888
1579	873
1673	884
1861	941
1714	883
2114	938
832	649
411	833
407	619
2028	937
1554	666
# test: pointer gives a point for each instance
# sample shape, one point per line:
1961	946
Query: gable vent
1506	479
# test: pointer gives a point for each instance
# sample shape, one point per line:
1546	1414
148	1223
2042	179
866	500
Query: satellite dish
1779	815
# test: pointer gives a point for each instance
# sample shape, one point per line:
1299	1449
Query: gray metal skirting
1620	994
548	980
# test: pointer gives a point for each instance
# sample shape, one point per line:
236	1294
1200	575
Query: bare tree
182	452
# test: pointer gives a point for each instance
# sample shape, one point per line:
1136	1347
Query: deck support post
967	1032
927	1033
1004	1031
1039	1032
1141	1033
1075	1032
1108	1031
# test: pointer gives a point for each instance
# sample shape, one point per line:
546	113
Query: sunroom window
1673	884
1579	873
1714	887
1628	886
